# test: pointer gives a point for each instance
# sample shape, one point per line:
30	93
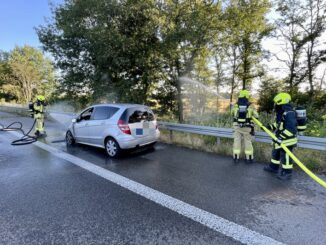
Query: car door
100	123
81	126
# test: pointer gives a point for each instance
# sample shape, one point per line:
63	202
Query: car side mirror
74	120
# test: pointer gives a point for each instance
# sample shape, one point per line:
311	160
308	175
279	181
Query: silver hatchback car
114	127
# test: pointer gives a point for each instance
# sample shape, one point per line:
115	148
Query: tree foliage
187	28
143	51
127	50
268	89
25	72
300	27
105	48
314	13
247	26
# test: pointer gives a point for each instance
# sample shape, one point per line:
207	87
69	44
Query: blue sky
18	19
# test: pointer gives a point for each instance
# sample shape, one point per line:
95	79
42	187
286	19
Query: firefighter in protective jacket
38	110
243	126
285	129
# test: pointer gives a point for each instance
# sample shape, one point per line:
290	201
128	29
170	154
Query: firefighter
38	110
243	126
285	129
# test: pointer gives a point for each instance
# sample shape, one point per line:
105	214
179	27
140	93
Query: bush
269	89
316	128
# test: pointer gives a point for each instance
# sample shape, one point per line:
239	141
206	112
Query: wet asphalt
47	200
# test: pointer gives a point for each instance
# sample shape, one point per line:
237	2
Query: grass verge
314	160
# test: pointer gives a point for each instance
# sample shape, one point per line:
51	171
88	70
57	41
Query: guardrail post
171	135
218	140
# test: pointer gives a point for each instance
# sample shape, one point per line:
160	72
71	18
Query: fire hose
25	139
294	158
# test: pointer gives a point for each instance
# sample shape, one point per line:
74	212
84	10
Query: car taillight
124	127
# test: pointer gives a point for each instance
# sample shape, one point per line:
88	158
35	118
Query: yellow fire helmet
40	97
282	99
244	94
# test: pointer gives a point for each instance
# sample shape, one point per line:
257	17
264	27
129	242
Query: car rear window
137	114
104	112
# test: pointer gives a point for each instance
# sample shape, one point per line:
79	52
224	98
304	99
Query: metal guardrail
24	111
304	141
14	109
307	142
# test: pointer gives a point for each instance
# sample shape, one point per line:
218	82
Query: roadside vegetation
314	160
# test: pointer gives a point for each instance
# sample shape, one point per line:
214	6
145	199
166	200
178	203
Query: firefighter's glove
278	141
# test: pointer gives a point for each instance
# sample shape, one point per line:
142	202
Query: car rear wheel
112	147
70	140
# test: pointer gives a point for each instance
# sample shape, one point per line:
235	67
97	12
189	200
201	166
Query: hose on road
294	158
25	139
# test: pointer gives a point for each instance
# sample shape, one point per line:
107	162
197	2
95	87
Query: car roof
120	105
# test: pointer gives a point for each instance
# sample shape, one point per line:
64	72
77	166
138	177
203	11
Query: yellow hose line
294	158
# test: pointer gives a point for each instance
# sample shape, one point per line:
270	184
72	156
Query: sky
18	19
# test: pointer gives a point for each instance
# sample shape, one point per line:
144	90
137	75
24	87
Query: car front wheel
70	140
112	148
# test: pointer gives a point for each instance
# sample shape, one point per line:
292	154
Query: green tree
4	69
247	25
106	49
203	76
27	72
293	39
268	89
186	29
314	14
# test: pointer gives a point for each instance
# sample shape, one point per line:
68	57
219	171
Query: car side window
104	112
86	115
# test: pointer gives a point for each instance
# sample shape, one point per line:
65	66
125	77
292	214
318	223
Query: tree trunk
218	78
244	78
310	69
244	75
179	93
292	74
245	64
233	74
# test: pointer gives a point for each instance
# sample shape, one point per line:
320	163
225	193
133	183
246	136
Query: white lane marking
219	224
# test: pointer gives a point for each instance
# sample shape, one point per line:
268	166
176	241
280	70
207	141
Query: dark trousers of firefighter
39	126
279	156
247	139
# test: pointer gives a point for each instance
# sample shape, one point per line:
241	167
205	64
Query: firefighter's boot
250	159
37	133
236	158
285	174
271	168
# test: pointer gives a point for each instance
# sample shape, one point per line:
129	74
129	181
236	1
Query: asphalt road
45	199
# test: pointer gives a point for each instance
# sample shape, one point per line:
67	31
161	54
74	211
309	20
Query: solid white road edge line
219	224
